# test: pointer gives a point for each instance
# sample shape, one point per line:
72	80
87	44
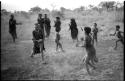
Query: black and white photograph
62	40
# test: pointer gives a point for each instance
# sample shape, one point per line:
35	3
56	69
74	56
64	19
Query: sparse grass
62	65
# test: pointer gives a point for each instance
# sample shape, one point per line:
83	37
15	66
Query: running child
90	56
118	35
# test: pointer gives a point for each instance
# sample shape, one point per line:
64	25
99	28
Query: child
118	34
12	27
57	24
37	40
47	25
95	31
58	44
74	29
90	56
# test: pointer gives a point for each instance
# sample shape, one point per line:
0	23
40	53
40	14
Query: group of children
89	38
38	38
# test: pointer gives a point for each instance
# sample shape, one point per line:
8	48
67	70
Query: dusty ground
17	63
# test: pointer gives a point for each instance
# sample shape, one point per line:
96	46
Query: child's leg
95	59
96	39
84	59
92	65
44	47
116	44
13	36
41	49
33	52
60	45
93	39
57	46
122	41
86	63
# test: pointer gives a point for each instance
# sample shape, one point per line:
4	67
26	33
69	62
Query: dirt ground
16	63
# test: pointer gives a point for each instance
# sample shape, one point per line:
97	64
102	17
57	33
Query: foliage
35	9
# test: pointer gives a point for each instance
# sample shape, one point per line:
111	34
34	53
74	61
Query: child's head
40	15
95	24
57	18
87	30
72	20
117	27
37	26
45	15
12	16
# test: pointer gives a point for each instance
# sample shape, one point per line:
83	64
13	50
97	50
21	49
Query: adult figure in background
12	27
47	25
40	21
57	24
74	29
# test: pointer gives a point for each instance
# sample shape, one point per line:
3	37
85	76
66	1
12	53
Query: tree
95	8
62	9
107	4
53	6
118	5
91	6
4	11
35	9
82	8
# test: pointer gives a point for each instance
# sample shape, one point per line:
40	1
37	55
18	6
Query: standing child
74	29
47	25
40	21
57	24
58	44
12	27
37	40
95	31
119	36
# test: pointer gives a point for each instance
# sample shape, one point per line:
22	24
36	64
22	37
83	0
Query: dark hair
11	15
117	26
40	14
95	24
57	17
87	30
72	19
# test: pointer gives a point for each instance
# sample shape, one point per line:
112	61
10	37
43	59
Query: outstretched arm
18	23
69	26
81	29
113	34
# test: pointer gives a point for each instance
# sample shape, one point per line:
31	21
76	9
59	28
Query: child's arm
113	34
18	23
121	32
81	29
69	26
33	33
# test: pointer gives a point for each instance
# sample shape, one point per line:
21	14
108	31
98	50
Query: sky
25	5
